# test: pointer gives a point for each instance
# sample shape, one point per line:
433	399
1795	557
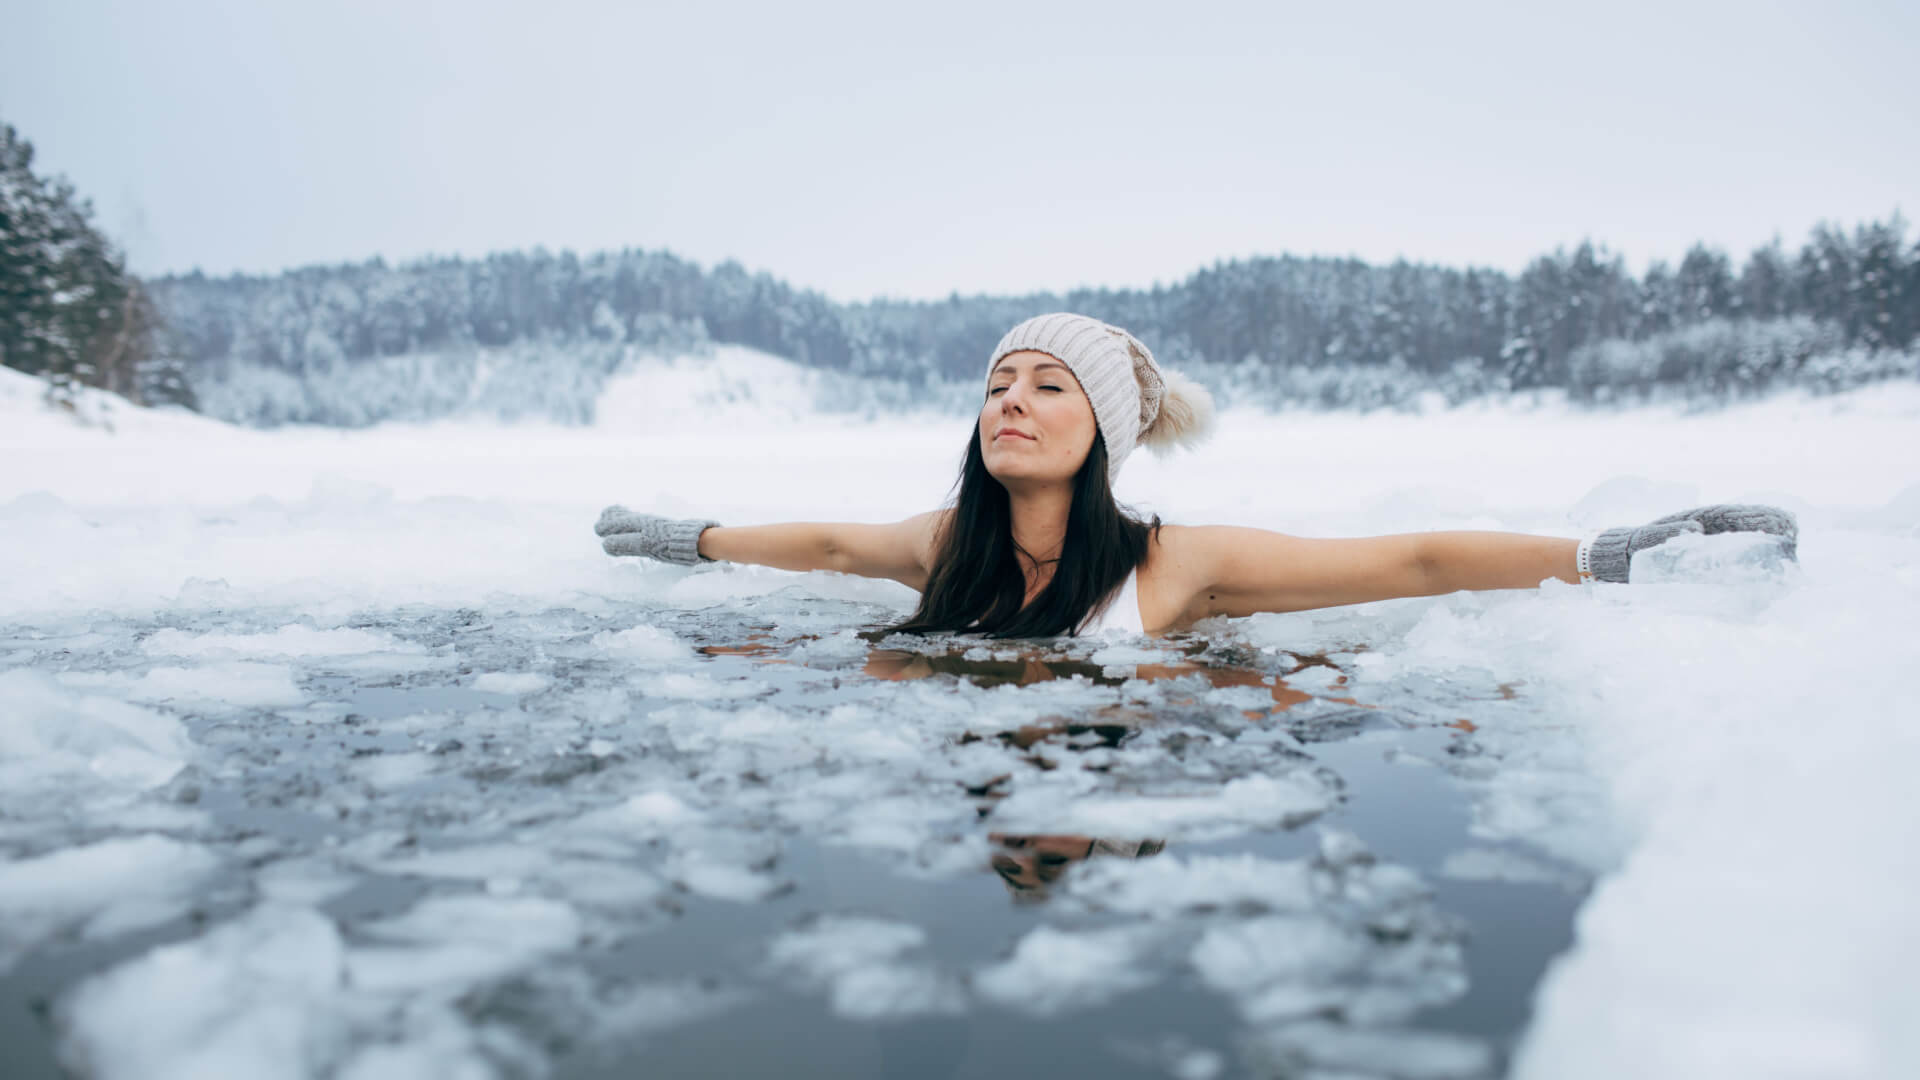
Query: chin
1014	473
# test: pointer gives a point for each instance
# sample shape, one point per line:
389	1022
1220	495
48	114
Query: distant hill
538	334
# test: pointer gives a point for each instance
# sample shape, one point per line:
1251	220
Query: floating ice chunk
657	1006
291	640
1240	697
603	884
501	866
395	662
391	771
452	941
640	817
858	960
504	682
1314	679
516	925
1242	803
895	992
1341	848
100	889
1052	971
237	683
1197	1064
720	880
1721	559
1168	884
1366	942
65	745
443	968
147	816
1247	957
480	862
831	650
644	643
254	998
1126	656
1489	864
302	881
1320	1048
689	687
836	944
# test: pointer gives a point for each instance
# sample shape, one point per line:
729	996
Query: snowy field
330	753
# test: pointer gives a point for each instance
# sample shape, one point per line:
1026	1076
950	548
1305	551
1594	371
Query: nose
1015	399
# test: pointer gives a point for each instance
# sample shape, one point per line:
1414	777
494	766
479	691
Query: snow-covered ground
365	728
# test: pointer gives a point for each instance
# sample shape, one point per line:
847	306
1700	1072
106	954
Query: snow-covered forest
534	334
537	333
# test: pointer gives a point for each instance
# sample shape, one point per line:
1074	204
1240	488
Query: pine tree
1766	285
1879	283
69	311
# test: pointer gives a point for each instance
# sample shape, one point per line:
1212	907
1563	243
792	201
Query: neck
1039	531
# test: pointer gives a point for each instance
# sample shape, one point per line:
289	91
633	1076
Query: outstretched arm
1241	571
1224	570
902	550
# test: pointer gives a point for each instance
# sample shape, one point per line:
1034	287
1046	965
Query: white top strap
1122	613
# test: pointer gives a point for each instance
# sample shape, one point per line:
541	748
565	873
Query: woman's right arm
902	550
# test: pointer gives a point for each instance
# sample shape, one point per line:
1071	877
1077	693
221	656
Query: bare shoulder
1203	570
1189	550
1177	576
926	532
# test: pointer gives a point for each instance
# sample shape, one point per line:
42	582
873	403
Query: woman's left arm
1230	570
1239	571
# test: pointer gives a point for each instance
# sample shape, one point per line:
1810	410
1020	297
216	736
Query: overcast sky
913	150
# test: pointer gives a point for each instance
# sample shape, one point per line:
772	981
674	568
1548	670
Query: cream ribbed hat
1134	401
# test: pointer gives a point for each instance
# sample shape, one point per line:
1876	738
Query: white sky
913	150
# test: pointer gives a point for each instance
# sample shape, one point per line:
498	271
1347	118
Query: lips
1011	433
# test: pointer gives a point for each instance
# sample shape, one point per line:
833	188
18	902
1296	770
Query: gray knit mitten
1612	551
667	539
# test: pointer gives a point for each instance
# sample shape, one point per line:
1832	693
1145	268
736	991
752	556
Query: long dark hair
977	584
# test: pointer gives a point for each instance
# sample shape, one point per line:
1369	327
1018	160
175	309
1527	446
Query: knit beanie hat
1134	401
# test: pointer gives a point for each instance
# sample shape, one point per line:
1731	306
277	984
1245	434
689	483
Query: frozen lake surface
349	754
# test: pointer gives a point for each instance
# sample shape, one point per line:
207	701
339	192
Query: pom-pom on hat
1134	401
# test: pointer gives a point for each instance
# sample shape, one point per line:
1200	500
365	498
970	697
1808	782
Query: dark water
1404	810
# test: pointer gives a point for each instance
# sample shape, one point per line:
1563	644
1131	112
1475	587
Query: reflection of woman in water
1029	865
1034	544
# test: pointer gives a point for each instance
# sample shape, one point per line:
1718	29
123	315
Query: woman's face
1036	425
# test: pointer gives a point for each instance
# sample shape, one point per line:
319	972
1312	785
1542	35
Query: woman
1034	544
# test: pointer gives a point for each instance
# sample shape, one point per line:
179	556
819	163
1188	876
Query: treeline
69	310
536	334
1841	310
